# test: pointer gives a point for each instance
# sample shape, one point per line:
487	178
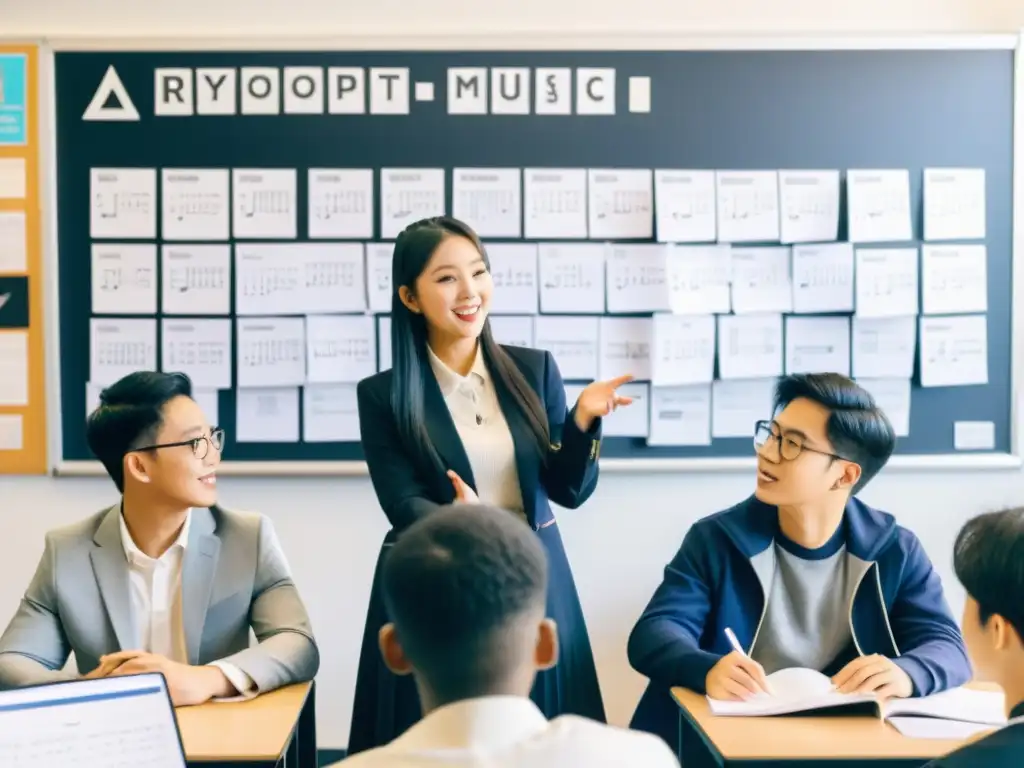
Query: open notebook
806	690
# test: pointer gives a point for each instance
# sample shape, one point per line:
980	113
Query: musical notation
748	206
698	279
817	344
954	351
556	203
341	203
954	279
685	206
954	203
123	203
123	279
199	348
621	203
810	206
195	204
878	205
340	348
684	350
887	282
823	278
637	278
761	280
118	347
749	346
407	195
515	273
301	278
488	199
264	203
884	347
573	341
196	279
625	347
513	330
271	351
572	278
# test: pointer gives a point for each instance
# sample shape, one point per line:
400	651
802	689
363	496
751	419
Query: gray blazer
234	576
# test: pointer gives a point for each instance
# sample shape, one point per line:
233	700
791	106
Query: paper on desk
620	204
750	346
823	278
884	347
515	274
299	278
195	204
378	276
810	206
514	330
954	203
12	432
747	206
680	415
936	728
340	203
489	200
330	413
13	243
817	344
555	203
954	350
408	195
122	203
196	279
12	178
761	280
893	397
263	203
636	278
954	279
267	415
625	347
685	206
887	281
340	348
14	366
271	351
633	421
683	350
383	343
572	278
878	205
123	279
119	346
201	349
737	404
698	278
573	341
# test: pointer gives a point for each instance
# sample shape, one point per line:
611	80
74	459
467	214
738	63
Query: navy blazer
409	486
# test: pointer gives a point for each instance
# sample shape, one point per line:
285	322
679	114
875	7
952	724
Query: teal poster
13	98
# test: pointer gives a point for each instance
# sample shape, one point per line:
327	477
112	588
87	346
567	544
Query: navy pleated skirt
387	704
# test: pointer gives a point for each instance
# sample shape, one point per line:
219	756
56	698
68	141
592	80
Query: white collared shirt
473	403
155	588
511	732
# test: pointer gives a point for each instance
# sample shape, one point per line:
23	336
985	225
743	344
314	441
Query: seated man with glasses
802	573
165	580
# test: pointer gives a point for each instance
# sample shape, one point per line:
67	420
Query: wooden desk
275	729
852	740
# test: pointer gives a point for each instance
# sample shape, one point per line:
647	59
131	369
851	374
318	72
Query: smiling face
453	292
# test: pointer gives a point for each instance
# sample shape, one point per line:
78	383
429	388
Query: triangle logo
111	101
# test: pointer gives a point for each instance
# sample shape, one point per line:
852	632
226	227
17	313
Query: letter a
111	85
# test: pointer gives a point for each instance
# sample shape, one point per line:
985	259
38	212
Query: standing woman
461	418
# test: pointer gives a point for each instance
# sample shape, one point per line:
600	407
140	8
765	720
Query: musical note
488	199
120	346
749	346
684	349
878	205
761	280
556	203
626	347
637	278
685	206
698	279
573	341
340	203
409	194
887	281
954	351
340	348
954	279
123	279
264	203
195	204
271	351
810	206
572	278
747	205
123	203
199	348
621	203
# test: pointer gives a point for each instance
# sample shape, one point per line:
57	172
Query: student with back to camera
461	418
802	572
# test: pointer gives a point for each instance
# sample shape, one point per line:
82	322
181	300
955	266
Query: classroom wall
332	528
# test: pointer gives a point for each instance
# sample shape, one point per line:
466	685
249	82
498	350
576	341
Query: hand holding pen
736	675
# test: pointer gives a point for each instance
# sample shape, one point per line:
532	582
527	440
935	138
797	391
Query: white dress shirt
511	732
486	438
155	588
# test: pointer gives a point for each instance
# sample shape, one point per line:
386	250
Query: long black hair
409	362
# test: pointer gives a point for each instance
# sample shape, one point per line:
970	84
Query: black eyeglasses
200	445
790	446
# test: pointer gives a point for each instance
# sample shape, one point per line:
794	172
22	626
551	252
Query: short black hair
460	586
857	428
130	415
988	559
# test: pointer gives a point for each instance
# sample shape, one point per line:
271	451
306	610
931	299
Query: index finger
849	670
755	670
618	381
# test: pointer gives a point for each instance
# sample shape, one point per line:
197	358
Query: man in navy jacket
804	574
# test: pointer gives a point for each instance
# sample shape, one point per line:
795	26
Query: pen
735	643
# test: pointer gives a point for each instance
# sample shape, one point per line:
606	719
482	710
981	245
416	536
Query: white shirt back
511	732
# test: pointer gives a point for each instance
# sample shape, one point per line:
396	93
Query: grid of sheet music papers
705	285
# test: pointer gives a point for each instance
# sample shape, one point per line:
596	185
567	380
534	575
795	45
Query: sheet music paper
761	280
954	279
489	200
893	397
408	195
12	178
264	203
884	347
823	278
683	350
340	204
514	330
267	415
555	203
299	278
13	368
954	350
620	204
119	346
748	206
340	348
122	203
270	351
625	347
810	206
685	203
633	421
737	404
636	278
698	279
201	349
886	282
681	415
515	274
572	278
383	343
750	346
573	342
878	206
954	203
13	243
378	276
817	344
12	438
196	279
330	413
195	204
123	279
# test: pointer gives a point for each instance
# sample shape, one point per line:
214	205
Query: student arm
664	646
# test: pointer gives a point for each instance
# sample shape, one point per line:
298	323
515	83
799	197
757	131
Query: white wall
332	528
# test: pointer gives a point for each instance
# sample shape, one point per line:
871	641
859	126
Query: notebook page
962	704
793	690
936	728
